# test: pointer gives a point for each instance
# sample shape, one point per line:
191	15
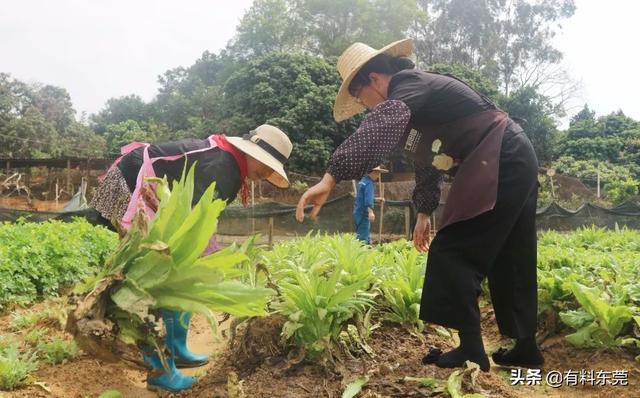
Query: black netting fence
335	216
278	219
557	218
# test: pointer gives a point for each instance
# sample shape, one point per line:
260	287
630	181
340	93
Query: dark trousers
499	244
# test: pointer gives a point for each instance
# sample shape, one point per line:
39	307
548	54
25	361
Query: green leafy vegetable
355	387
159	264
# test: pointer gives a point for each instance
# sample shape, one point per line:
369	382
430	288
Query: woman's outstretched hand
422	233
316	195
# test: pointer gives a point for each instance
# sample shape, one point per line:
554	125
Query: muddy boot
178	344
525	354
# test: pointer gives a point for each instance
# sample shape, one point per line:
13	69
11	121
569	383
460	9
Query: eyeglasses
355	93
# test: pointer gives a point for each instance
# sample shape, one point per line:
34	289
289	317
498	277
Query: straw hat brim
278	177
380	169
346	106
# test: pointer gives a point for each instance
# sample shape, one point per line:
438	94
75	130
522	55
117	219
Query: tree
525	33
505	39
271	71
116	110
320	27
15	96
119	134
30	136
617	191
312	155
38	121
330	26
526	103
613	137
587	170
188	103
583	125
600	148
79	140
55	104
457	32
189	100
294	92
267	27
472	77
585	115
616	123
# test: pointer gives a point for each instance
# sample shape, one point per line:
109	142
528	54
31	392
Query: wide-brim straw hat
271	147
381	169
350	62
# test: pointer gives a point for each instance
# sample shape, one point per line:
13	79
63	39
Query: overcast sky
601	46
98	49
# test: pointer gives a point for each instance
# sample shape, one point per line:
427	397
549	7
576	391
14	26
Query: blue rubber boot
178	344
170	379
167	378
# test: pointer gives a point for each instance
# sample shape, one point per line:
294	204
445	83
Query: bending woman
488	224
229	162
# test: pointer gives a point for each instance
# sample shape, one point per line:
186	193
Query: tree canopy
38	121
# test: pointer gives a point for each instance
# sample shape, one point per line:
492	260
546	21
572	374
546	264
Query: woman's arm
378	134
426	197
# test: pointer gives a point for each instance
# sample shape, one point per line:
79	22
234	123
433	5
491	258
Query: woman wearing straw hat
487	227
227	161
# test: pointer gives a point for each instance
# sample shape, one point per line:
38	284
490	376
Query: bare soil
256	365
88	377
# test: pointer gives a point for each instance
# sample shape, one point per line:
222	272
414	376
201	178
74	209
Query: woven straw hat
270	146
350	62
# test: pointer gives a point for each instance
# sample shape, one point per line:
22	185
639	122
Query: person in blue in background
363	214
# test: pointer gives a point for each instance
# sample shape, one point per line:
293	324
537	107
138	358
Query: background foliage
279	68
37	260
